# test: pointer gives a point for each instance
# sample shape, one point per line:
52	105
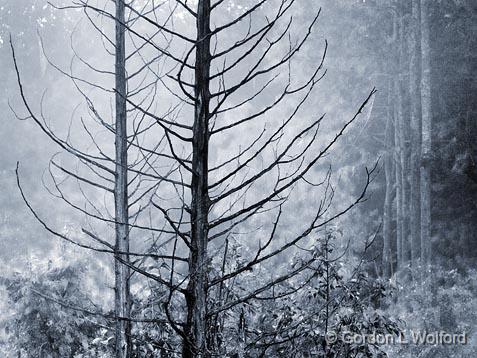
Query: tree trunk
402	142
398	149
426	135
196	325
122	299
415	96
388	171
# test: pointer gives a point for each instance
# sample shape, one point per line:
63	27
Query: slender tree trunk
398	174
415	97
404	141
388	171
426	135
196	325
405	186
122	299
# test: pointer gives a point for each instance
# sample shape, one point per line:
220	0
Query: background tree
426	134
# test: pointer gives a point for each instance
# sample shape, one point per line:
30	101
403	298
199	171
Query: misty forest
238	178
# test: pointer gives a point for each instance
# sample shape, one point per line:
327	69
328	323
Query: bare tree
122	303
218	77
105	169
207	199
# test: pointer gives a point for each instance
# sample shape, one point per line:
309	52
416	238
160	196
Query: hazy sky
351	73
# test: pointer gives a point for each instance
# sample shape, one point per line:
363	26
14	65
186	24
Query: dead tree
218	76
122	304
214	73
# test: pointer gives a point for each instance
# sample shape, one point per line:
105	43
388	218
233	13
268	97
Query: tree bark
196	297
122	298
402	142
426	134
388	171
415	96
398	151
405	186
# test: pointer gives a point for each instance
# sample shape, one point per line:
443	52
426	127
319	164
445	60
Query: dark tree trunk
196	325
